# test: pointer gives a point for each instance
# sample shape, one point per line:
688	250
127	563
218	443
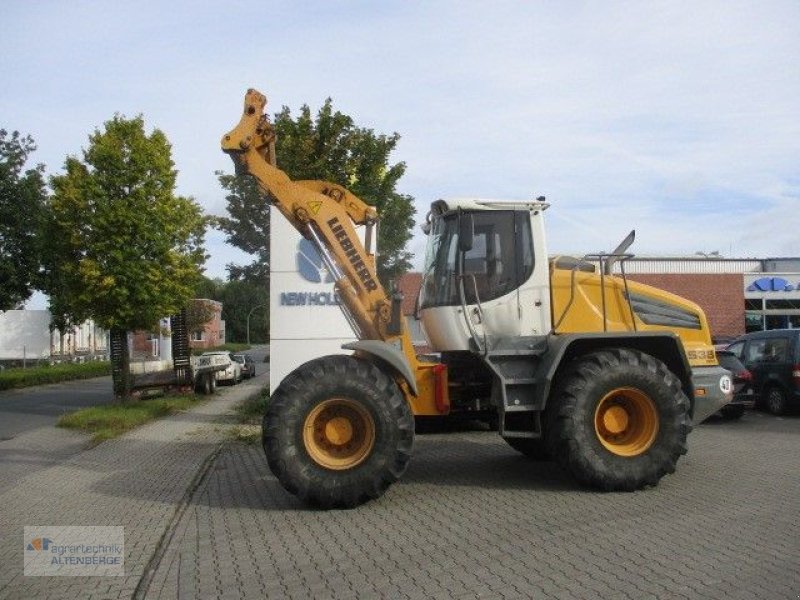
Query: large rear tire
338	432
618	420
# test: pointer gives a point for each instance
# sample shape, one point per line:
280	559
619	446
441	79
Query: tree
247	226
123	248
22	198
329	147
240	299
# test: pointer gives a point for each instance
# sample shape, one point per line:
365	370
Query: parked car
248	365
773	357
743	394
233	373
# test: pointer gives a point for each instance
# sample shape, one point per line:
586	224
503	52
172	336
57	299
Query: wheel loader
573	361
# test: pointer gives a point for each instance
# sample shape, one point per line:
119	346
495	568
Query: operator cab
486	273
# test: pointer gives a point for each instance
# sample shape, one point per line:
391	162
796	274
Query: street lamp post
248	319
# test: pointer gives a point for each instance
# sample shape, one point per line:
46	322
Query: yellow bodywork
577	305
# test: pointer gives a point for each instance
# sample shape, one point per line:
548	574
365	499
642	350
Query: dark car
743	395
248	365
773	357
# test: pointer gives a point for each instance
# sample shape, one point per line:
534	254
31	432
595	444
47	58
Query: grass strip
111	420
250	413
20	378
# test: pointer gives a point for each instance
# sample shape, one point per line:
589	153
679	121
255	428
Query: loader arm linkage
326	214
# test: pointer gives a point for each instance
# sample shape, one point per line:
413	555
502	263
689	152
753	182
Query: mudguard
388	354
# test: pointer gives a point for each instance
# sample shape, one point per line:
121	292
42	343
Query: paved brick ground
473	519
136	481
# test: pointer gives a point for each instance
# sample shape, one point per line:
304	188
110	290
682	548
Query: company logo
771	284
38	544
311	267
310	264
351	251
73	551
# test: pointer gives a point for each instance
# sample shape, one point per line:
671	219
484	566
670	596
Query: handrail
602	258
462	296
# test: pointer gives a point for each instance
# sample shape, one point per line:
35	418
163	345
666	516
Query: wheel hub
338	431
615	419
339	434
626	422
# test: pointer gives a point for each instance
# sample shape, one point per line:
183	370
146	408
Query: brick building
155	344
212	332
737	295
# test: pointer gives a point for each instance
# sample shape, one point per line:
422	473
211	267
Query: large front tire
338	432
618	420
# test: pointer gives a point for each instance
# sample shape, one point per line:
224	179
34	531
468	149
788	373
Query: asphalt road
29	440
31	408
28	409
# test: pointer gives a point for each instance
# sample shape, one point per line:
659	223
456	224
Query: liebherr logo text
352	255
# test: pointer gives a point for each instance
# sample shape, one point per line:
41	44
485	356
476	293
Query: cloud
679	119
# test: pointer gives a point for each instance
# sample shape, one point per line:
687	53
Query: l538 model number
701	354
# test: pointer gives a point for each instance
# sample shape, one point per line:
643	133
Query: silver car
232	373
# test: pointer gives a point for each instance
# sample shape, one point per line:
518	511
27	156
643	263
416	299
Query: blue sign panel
771	284
311	268
310	265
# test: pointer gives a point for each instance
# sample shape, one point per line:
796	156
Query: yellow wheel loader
573	362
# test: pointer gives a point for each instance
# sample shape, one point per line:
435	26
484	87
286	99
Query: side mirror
466	231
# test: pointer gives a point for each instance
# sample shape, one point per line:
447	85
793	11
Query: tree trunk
126	387
121	364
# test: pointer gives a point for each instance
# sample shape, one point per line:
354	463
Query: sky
678	119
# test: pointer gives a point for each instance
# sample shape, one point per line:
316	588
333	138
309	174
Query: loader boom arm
326	214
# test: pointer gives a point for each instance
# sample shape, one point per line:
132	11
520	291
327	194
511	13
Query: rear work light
440	395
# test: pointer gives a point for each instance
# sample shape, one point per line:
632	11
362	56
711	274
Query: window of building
753	322
198	336
753	304
783	304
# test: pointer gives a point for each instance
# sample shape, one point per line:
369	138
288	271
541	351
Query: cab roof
447	205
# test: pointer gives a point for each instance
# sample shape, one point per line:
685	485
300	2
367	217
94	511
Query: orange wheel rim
339	434
626	422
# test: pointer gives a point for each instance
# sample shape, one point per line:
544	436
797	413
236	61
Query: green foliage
328	147
250	413
20	378
22	198
247	226
239	298
112	420
124	249
252	409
